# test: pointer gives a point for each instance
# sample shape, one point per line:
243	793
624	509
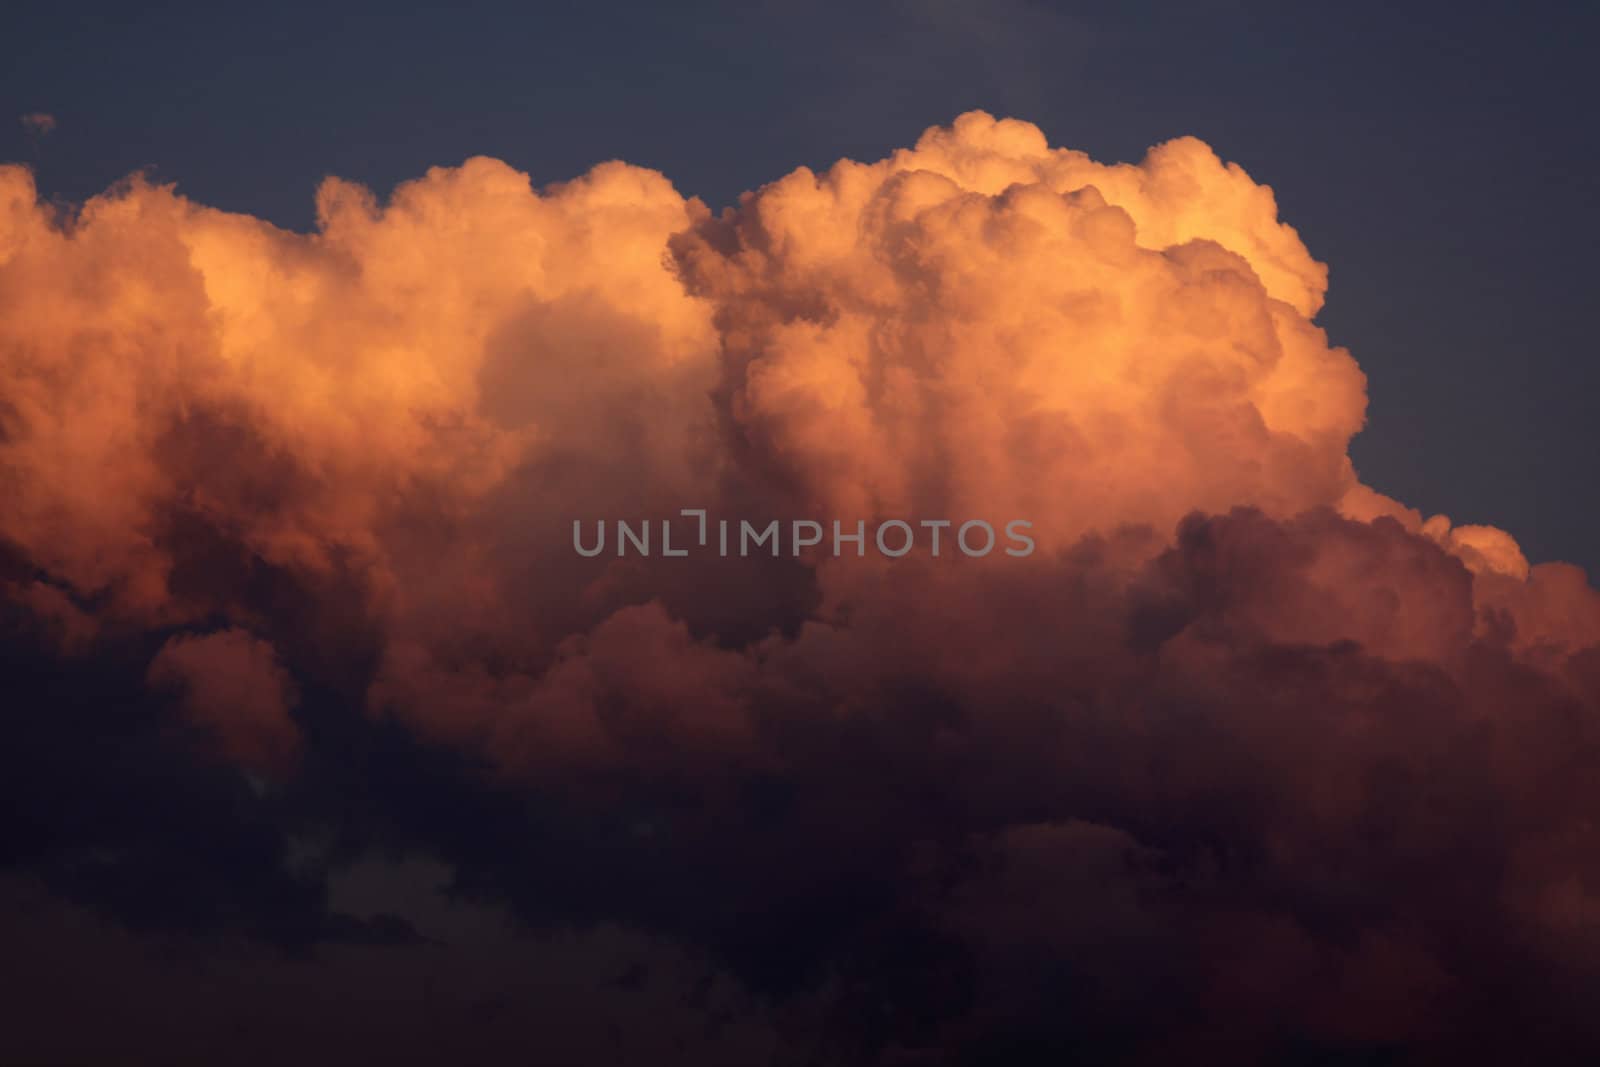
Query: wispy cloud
39	123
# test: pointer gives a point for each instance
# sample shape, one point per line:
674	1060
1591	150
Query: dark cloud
318	728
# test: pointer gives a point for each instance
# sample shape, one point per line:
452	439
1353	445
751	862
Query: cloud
38	123
1243	756
233	689
986	325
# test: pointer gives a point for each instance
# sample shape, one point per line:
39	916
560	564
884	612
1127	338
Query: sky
1092	540
1439	158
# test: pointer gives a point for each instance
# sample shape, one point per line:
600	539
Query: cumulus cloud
985	325
1239	711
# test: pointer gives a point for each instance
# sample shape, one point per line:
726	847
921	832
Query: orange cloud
1236	698
423	394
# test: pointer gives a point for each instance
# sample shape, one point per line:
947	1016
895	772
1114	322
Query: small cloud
39	123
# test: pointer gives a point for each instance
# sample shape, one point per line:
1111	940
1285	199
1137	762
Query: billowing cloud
1243	757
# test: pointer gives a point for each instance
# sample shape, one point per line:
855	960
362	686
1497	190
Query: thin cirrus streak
1238	710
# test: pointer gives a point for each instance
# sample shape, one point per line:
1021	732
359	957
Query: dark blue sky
1442	163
